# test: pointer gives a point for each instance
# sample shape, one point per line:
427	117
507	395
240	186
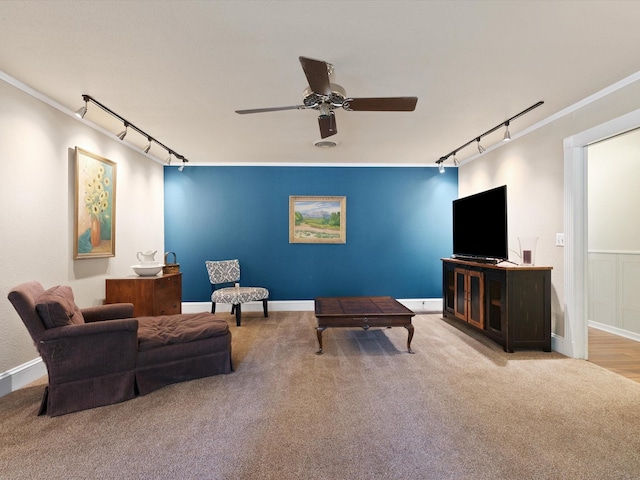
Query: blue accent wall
398	227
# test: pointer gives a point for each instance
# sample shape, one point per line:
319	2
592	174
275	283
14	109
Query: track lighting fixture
506	138
82	111
123	133
507	135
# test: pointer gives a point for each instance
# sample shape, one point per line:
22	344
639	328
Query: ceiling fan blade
317	75
272	109
388	104
328	125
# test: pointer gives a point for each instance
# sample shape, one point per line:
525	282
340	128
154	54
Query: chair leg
264	307
213	307
237	307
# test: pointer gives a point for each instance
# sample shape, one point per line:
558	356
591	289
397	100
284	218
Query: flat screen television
480	226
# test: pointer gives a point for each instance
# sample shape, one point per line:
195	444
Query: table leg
410	329
319	331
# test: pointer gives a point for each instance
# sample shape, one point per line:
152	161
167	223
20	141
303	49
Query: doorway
576	225
613	169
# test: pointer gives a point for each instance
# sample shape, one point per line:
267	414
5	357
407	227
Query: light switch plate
559	239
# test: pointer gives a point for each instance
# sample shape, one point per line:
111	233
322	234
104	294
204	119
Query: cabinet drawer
168	295
171	282
167	306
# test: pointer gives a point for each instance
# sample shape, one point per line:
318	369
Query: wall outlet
559	239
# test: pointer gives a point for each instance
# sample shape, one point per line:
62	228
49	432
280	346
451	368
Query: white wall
613	175
37	179
532	168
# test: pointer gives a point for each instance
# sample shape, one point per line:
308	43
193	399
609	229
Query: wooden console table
151	296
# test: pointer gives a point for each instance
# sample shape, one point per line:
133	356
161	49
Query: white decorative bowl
147	270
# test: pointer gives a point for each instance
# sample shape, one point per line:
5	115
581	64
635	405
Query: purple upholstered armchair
100	355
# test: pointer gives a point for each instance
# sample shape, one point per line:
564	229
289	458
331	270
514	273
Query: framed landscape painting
317	219
95	206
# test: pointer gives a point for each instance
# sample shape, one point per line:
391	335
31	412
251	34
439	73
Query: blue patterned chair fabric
228	271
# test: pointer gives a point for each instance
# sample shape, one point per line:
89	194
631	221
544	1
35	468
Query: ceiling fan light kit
324	96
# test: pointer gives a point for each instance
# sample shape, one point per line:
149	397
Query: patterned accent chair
226	272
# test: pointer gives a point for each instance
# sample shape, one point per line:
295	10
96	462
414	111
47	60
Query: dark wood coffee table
364	312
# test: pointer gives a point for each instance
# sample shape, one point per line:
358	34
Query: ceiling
178	70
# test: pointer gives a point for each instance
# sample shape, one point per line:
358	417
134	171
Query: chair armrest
87	329
76	352
109	311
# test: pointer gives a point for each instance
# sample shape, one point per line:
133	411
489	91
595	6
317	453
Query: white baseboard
418	305
274	306
423	305
615	330
558	344
21	375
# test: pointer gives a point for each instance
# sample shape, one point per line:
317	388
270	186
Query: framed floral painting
95	206
317	219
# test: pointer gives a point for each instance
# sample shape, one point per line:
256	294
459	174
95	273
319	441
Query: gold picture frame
317	219
94	226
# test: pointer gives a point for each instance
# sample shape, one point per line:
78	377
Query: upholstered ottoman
174	348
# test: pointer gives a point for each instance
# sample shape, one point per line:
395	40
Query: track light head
82	111
123	133
148	147
455	160
507	135
480	149
184	160
441	167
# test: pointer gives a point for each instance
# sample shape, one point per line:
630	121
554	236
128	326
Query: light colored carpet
460	408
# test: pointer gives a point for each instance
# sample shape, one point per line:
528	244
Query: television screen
480	225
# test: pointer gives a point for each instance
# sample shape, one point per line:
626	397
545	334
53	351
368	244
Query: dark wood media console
509	304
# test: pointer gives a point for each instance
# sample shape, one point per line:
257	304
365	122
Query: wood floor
615	353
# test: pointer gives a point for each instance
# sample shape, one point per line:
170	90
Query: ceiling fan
324	96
